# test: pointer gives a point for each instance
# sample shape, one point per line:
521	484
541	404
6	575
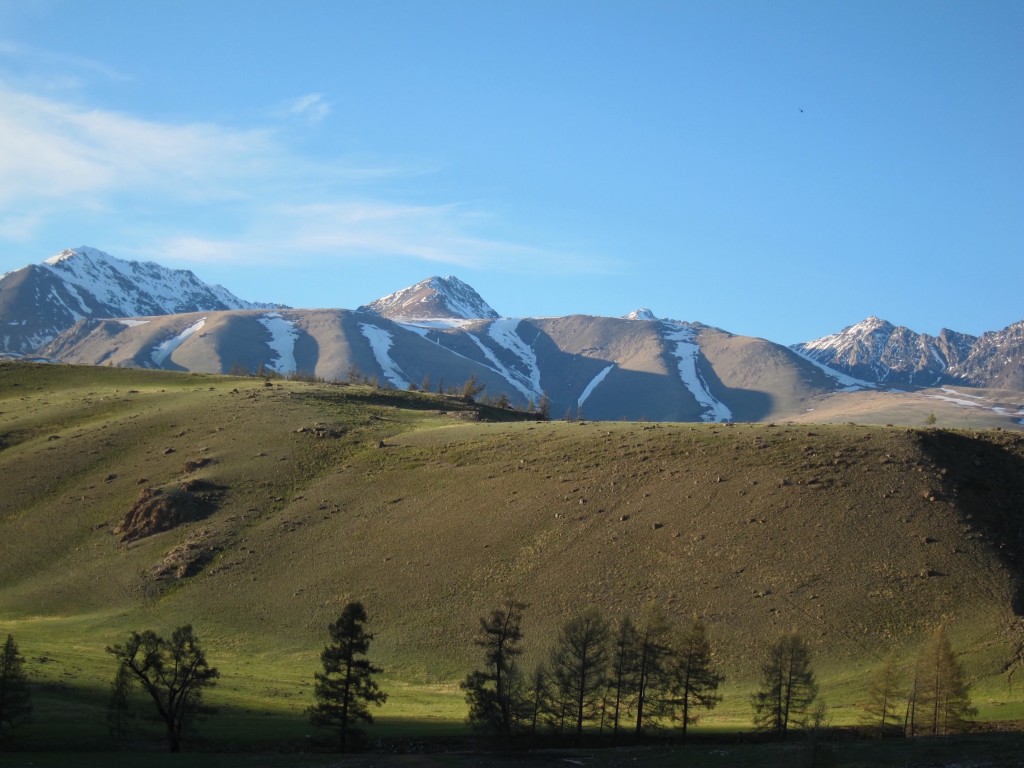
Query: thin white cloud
201	192
312	106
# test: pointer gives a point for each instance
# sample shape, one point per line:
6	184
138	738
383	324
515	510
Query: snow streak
166	348
503	331
380	343
593	385
283	334
688	352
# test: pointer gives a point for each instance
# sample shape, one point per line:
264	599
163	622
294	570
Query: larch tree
622	676
579	662
490	692
652	679
788	688
943	697
884	693
174	673
15	695
695	677
346	688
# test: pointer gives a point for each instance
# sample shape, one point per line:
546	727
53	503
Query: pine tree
346	688
15	695
695	676
788	687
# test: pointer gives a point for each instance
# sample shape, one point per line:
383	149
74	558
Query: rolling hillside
292	498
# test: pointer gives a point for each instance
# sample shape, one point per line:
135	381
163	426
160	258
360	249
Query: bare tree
173	672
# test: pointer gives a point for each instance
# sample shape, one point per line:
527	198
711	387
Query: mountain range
84	306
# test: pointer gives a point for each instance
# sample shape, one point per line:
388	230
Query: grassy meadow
430	510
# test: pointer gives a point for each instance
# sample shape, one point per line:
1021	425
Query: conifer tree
943	697
788	687
15	695
884	692
652	679
695	677
346	688
489	692
578	664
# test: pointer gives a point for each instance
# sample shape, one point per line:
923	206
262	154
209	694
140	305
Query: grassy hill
298	497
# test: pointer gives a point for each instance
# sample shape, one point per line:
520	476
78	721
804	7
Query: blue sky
780	169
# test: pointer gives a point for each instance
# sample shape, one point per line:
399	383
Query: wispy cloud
201	192
312	106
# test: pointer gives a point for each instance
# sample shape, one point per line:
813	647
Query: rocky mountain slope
39	301
878	351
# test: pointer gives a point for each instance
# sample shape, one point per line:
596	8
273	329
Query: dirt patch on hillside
158	509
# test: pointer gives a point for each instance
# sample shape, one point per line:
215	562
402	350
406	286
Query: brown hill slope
863	538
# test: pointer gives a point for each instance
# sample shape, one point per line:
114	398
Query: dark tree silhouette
622	678
346	688
174	673
490	692
788	687
651	680
579	662
15	696
695	678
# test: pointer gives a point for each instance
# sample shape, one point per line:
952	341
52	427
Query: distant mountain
87	307
878	351
39	301
895	356
436	298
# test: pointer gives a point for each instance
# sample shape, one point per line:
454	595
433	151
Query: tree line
621	680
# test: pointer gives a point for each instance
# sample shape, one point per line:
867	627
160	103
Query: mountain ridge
441	332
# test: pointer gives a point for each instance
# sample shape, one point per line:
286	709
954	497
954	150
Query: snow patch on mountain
165	349
593	385
643	313
380	342
504	332
283	335
848	383
688	351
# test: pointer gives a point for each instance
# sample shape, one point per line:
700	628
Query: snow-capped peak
131	288
643	313
433	298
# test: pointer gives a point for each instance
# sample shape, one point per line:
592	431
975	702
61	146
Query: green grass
861	537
